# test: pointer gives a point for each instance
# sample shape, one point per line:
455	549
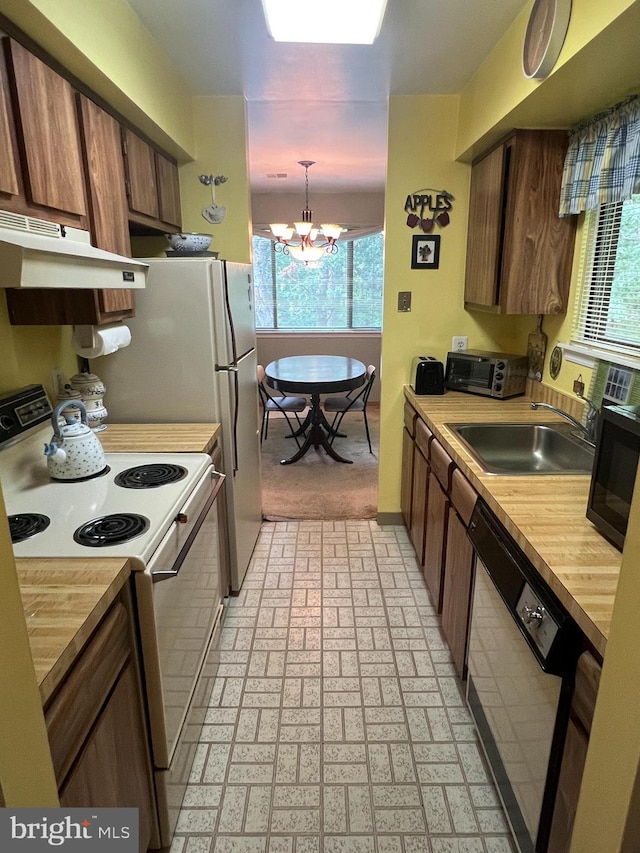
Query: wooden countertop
159	438
544	514
63	603
64	600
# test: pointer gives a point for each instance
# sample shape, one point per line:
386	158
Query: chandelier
309	247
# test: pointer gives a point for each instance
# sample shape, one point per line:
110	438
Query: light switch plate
404	300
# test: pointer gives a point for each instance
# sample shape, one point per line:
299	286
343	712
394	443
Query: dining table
315	375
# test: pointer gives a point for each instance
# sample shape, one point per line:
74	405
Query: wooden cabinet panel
104	166
575	752
519	251
36	307
406	482
97	729
70	716
463	496
423	437
435	538
140	169
108	212
419	503
168	191
410	417
48	133
456	594
111	771
485	229
8	151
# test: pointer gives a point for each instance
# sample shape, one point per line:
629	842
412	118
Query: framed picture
425	252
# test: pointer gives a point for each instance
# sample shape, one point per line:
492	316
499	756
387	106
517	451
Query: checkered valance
603	160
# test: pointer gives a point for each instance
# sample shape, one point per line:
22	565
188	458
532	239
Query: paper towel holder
85	336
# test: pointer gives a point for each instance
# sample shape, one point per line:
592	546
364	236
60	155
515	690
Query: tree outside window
339	292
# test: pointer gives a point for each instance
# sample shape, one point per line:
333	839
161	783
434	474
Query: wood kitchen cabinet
435	535
420	490
575	752
152	185
458	571
406	483
97	728
50	176
108	218
519	251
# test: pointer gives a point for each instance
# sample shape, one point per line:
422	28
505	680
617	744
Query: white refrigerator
192	359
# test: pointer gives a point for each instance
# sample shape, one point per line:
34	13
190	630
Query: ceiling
326	103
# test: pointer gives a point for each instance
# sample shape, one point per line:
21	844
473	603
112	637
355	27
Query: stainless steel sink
539	448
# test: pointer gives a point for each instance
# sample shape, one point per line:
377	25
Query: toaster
428	375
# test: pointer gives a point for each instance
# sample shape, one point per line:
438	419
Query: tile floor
336	723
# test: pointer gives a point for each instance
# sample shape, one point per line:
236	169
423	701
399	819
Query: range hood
37	253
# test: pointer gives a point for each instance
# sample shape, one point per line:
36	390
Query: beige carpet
317	486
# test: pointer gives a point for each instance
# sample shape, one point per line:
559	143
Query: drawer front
463	496
410	419
441	464
424	437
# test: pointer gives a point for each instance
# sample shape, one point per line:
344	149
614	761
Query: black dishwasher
523	648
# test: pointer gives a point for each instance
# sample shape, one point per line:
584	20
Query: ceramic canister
91	389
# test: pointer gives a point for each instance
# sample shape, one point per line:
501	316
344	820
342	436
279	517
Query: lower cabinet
406	484
420	487
574	755
435	536
458	571
97	727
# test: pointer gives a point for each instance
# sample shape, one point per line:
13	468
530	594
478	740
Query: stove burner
150	476
111	529
26	525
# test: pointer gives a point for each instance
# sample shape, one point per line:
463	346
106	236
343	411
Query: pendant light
308	247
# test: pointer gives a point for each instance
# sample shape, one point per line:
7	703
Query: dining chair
278	403
341	406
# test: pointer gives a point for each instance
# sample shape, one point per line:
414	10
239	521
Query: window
608	308
340	292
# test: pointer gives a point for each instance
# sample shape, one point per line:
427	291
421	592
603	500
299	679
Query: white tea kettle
75	452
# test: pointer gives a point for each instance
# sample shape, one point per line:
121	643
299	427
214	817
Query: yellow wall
26	771
422	133
221	149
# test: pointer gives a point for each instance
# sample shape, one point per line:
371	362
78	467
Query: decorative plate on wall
546	32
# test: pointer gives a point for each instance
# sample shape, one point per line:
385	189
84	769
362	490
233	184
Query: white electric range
157	509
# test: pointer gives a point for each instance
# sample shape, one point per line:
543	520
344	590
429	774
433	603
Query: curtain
603	159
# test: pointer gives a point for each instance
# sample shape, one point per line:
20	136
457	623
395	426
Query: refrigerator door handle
226	368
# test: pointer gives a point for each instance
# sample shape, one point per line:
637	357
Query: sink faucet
588	430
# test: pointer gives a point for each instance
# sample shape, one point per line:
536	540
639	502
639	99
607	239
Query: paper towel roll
92	341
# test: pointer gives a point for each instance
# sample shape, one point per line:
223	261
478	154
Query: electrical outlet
459	343
404	300
58	380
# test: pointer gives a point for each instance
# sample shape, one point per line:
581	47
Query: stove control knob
6	423
182	518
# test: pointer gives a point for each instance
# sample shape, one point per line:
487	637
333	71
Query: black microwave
614	471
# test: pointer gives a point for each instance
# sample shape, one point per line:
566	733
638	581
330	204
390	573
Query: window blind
608	306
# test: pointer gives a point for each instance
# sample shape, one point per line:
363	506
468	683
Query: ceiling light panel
339	21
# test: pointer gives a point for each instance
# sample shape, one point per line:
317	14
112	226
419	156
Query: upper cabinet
48	140
152	184
104	167
519	252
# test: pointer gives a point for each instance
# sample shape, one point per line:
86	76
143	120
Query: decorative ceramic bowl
189	242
